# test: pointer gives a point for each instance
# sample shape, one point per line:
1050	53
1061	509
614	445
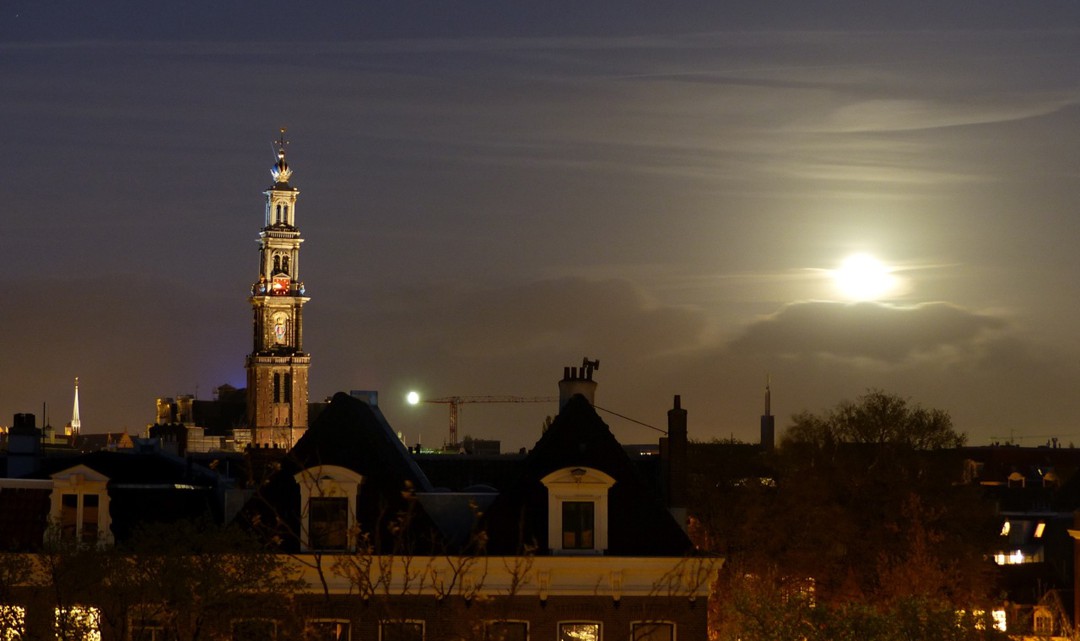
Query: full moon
863	277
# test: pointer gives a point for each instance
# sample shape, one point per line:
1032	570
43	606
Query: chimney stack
768	422
578	381
24	446
673	450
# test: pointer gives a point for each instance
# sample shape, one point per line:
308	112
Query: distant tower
768	422
76	422
277	368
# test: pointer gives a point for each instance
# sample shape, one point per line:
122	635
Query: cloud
867	330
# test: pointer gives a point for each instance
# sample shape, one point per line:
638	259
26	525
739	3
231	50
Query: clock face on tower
280	285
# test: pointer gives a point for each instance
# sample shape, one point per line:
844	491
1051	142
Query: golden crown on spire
280	171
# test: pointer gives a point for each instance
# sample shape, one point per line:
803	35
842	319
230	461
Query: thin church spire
76	422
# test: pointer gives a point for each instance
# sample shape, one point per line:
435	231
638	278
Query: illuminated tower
76	423
277	368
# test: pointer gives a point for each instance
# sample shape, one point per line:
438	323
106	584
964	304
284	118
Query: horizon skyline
489	193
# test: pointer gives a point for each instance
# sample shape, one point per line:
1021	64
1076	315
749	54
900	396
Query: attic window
328	523
578	525
80	506
328	508
578	510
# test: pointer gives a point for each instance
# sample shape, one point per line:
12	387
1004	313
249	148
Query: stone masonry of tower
277	368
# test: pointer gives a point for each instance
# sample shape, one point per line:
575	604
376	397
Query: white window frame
647	622
348	624
81	481
422	623
525	622
578	484
327	481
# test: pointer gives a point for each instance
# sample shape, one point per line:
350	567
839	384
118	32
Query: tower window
288	388
277	387
278	218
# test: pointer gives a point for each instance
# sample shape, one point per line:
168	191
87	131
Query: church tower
277	368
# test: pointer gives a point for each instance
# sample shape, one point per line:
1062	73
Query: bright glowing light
1005	529
412	398
863	277
1039	529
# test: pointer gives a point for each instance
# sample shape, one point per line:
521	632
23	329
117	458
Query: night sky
490	191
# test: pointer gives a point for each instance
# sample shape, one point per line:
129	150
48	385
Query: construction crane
455	403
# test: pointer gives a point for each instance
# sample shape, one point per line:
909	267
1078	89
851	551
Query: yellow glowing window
12	622
1039	529
78	623
1005	529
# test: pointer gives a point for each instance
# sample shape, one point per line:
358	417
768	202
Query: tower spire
76	422
277	368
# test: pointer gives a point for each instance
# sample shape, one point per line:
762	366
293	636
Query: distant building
277	368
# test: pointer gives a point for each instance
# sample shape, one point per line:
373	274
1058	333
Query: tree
860	523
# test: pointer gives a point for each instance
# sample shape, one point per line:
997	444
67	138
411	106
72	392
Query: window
288	388
88	532
328	630
328	507
506	631
577	525
80	506
401	631
579	631
328	525
254	630
69	515
12	622
147	626
77	623
578	510
277	387
652	631
1044	623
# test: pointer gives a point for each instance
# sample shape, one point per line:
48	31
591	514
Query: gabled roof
639	524
356	436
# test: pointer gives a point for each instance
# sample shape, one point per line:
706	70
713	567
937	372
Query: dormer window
79	505
578	510
328	508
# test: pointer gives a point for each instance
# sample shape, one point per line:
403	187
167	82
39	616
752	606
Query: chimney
24	446
578	381
674	463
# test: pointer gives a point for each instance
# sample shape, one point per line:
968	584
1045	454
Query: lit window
1005	528
328	630
653	631
506	631
401	631
77	623
578	631
577	525
12	622
1039	529
254	630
